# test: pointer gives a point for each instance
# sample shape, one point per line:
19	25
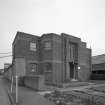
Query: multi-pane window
33	67
48	72
33	46
47	45
72	51
48	67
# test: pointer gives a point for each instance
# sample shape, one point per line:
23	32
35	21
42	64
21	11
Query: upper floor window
72	51
33	46
47	45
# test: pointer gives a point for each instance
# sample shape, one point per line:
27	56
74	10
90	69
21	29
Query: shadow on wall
84	75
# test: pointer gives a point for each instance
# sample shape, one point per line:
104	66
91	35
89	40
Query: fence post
16	89
12	85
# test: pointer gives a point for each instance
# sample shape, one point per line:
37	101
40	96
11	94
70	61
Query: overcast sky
81	18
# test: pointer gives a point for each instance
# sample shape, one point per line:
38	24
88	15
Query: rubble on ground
73	98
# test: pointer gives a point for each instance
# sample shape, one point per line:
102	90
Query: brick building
58	58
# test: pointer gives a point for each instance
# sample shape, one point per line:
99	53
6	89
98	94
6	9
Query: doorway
72	71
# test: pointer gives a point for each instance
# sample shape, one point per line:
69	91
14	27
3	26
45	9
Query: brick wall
84	63
57	55
22	47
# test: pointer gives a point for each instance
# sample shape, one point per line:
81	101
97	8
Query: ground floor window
48	67
33	67
48	72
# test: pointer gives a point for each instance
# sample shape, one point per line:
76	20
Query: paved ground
28	96
4	100
83	87
79	87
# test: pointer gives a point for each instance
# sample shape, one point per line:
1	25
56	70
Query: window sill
48	71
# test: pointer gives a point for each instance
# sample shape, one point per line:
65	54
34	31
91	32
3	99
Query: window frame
47	45
34	69
33	46
48	67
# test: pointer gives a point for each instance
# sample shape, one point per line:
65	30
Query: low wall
35	82
97	76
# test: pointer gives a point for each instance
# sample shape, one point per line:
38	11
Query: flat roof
98	59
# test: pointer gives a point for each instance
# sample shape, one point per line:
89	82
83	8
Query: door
71	64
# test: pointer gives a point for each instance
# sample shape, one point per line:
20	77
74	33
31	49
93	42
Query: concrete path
4	99
28	96
91	85
83	87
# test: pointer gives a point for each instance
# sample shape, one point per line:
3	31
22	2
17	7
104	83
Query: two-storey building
59	58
